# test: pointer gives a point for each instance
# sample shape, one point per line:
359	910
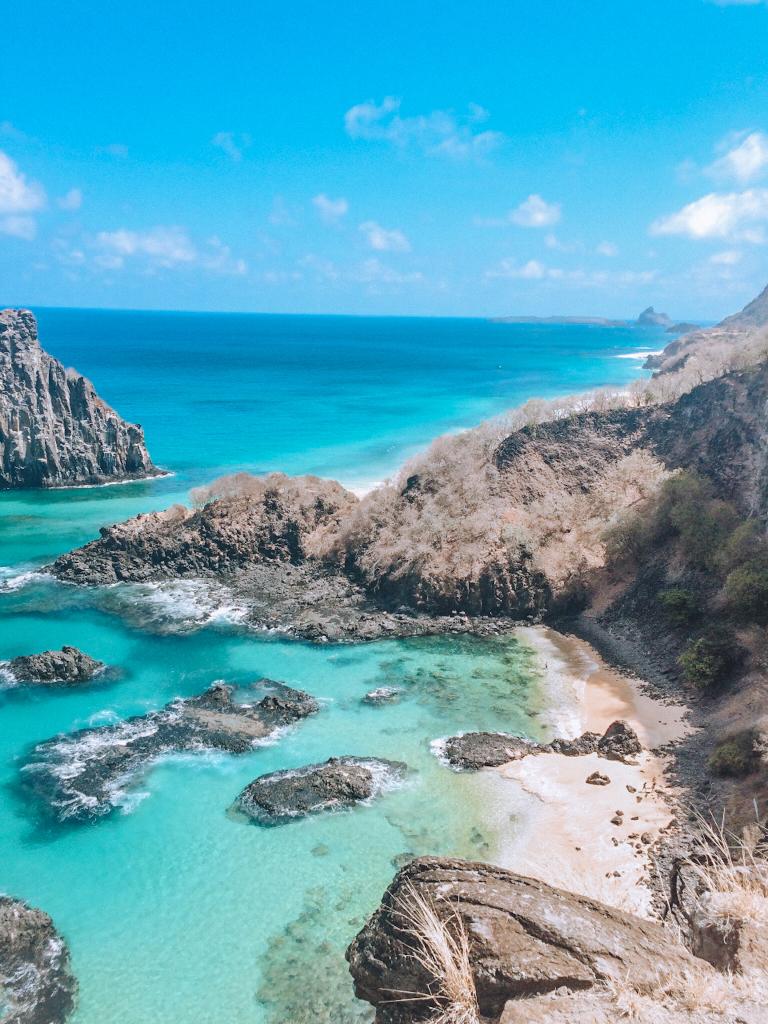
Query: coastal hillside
714	347
55	430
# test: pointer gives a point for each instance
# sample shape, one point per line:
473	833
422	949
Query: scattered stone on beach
526	939
617	819
340	782
69	665
83	775
36	982
584	744
382	695
598	779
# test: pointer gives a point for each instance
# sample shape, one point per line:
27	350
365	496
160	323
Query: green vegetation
736	755
707	661
709	537
681	606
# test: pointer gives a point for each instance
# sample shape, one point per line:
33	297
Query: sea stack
55	431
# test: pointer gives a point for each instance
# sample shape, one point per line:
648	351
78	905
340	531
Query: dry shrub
442	949
733	877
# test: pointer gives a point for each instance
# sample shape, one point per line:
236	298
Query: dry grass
442	949
733	877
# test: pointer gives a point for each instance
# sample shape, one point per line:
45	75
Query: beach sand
562	830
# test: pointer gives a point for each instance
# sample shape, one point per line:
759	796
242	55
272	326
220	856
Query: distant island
648	318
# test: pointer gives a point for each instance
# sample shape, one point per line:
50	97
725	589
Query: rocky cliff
55	431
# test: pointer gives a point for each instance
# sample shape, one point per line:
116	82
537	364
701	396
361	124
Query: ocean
174	910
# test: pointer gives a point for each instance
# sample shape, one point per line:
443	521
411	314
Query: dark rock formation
69	665
284	796
55	431
36	983
474	750
650	318
619	742
82	775
526	939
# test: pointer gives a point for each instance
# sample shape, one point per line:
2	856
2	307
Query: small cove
174	912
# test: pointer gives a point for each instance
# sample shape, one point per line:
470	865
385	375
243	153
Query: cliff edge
55	430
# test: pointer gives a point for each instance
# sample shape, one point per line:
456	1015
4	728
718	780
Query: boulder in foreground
526	939
36	983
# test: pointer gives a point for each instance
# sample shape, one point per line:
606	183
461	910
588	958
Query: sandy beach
564	829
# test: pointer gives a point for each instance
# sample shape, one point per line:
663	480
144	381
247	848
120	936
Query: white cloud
745	161
73	200
534	270
232	144
736	215
17	195
607	249
373	271
439	133
19	227
161	246
330	211
535	212
218	258
728	258
384	239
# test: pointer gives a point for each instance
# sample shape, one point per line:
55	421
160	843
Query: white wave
640	355
7	678
12	579
182	604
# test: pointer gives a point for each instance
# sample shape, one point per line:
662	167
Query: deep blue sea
174	912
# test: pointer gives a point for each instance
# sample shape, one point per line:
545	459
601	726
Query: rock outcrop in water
471	751
526	940
340	782
83	775
69	665
36	983
55	431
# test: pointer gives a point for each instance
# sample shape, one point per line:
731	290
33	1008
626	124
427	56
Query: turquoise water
174	911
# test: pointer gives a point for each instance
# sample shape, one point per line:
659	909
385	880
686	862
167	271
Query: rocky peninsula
55	430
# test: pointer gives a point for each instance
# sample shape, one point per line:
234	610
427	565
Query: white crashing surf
14	577
177	606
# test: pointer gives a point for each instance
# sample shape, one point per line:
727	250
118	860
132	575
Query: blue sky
402	158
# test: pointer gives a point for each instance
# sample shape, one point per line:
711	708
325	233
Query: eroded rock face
474	750
284	796
69	665
83	775
526	939
36	983
55	431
